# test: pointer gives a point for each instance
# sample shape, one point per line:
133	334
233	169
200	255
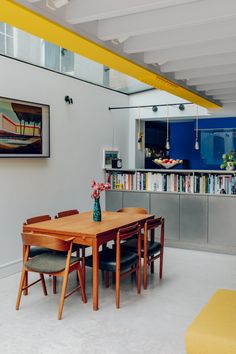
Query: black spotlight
181	107
68	100
154	108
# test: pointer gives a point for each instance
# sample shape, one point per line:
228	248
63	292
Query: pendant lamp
196	146
167	130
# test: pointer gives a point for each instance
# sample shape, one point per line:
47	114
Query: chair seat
48	263
107	260
132	245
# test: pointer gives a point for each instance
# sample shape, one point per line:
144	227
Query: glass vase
97	214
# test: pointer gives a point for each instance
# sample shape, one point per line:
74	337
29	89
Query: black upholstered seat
132	245
107	260
49	263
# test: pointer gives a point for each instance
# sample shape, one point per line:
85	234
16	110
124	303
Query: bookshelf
173	181
195	218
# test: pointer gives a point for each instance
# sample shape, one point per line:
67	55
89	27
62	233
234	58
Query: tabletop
83	224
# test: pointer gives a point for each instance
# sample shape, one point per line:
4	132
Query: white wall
78	134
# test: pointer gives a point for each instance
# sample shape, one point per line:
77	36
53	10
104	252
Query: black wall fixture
68	100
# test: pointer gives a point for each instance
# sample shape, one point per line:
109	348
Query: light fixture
181	107
154	109
196	146
167	129
140	134
68	100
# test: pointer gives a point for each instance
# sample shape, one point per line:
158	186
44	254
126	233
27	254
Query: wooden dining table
88	233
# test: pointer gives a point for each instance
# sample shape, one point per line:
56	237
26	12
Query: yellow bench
213	331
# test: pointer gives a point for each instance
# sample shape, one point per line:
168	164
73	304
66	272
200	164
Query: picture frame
108	155
24	129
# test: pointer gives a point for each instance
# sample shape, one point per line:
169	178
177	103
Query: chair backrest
39	218
124	234
46	241
127	232
64	213
154	224
132	210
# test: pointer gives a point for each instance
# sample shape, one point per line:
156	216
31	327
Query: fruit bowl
167	163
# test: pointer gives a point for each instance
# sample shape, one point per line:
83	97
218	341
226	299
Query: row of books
215	184
173	182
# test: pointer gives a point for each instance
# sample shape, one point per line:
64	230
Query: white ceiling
190	41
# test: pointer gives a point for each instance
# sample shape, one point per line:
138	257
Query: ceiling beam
190	51
227	97
90	10
200	62
187	14
222	91
31	22
182	36
207	80
217	86
212	71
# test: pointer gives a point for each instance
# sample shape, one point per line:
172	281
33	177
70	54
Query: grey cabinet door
113	200
136	199
222	216
167	205
193	218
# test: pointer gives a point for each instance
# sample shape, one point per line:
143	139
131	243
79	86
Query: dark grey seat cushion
107	260
48	263
35	251
132	245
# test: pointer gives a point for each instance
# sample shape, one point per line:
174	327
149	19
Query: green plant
229	157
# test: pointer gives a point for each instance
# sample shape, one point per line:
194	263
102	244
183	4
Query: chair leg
63	293
26	284
81	281
138	272
117	290
43	284
161	264
83	267
152	264
107	279
145	269
21	286
54	284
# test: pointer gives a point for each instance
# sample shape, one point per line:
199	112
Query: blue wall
182	141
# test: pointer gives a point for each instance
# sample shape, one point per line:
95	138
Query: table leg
95	275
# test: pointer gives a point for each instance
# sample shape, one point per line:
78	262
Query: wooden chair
151	250
121	262
132	210
56	264
76	248
35	251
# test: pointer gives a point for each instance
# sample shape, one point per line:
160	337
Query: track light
167	146
196	146
154	109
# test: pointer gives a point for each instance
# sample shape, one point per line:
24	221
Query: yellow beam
21	17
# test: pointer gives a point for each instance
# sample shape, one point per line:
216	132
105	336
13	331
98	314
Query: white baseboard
10	268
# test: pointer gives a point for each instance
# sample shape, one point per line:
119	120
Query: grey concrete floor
153	322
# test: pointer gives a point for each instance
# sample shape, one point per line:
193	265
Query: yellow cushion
213	331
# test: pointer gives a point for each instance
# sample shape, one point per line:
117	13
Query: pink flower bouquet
97	188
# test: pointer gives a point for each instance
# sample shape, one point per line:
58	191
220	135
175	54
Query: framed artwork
108	156
24	129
